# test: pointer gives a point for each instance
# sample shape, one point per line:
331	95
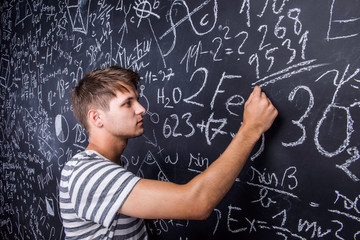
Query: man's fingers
256	91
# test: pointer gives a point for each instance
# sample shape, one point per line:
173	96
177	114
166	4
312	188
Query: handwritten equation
198	61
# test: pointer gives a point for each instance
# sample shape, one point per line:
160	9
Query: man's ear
95	118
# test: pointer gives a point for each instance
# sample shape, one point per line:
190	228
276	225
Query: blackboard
199	61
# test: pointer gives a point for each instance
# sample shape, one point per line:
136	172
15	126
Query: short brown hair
98	87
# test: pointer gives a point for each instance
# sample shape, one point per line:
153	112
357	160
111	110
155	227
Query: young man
100	199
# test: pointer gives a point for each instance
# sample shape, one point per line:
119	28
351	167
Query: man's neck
111	150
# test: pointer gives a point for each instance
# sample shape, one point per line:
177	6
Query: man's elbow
201	210
205	214
200	203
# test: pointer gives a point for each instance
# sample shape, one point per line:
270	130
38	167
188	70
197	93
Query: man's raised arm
197	199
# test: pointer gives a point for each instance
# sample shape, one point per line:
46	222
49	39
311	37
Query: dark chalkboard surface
199	61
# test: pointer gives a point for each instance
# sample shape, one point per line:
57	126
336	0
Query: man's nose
140	109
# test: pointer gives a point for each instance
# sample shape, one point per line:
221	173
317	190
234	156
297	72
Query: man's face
124	118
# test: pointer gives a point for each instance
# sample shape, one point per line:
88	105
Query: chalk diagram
23	11
78	13
61	128
4	72
150	160
343	22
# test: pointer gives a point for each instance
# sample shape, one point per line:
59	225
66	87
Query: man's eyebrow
127	99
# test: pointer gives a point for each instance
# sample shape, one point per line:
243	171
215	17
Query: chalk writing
198	62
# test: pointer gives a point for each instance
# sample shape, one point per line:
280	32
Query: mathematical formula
198	61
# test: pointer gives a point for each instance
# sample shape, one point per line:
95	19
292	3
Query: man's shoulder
81	159
84	157
87	154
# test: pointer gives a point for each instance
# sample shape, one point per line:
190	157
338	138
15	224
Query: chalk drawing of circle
143	10
61	128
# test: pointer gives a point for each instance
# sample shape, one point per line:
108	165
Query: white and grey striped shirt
92	190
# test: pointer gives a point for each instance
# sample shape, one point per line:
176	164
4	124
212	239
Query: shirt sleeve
99	188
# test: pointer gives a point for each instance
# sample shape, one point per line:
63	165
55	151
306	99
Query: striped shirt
92	190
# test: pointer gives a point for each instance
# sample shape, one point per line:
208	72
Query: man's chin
140	133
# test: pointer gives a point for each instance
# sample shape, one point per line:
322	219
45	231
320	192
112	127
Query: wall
199	61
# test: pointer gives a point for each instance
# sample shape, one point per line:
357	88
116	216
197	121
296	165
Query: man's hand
259	114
